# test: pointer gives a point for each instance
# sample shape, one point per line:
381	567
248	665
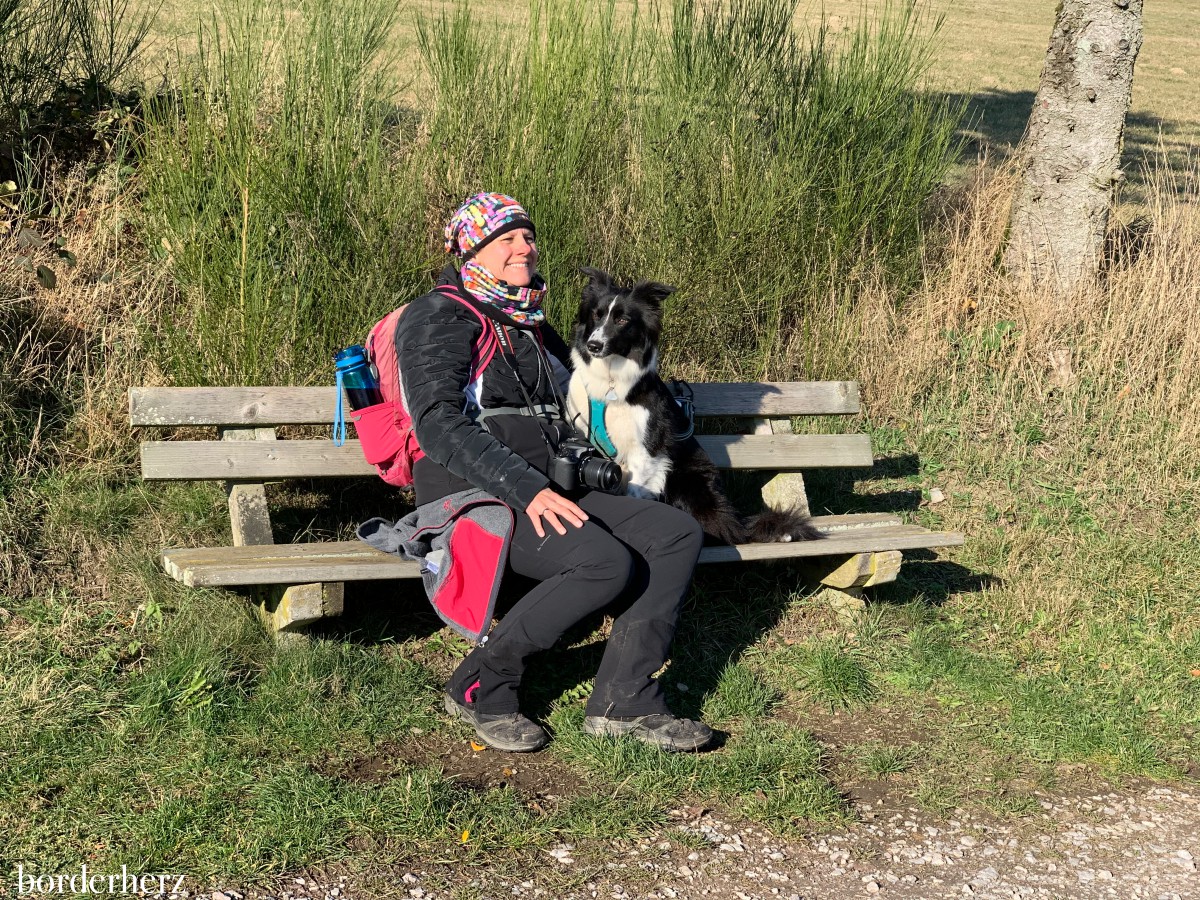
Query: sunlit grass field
989	50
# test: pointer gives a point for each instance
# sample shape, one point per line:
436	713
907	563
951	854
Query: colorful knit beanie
482	219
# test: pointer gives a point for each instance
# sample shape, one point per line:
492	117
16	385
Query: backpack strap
485	347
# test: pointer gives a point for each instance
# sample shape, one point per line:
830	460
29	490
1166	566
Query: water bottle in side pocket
356	377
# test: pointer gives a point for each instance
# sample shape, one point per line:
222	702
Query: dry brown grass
97	307
1109	374
1068	446
1118	362
1070	451
69	360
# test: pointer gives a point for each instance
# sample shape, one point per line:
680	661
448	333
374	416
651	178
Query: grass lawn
154	726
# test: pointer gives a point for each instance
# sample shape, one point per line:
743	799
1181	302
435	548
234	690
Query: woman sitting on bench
587	549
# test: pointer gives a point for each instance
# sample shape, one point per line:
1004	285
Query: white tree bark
1072	147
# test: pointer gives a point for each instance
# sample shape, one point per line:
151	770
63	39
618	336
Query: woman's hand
553	506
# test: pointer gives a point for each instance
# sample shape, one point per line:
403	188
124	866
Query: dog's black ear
652	292
598	276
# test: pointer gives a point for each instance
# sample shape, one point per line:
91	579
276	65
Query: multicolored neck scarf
521	304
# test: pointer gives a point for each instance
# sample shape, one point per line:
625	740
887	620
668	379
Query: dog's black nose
594	346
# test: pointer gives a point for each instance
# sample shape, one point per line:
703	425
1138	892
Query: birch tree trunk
1072	146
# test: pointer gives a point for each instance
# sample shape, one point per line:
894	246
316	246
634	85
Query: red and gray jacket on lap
461	542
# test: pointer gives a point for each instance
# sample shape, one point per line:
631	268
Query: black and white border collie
615	354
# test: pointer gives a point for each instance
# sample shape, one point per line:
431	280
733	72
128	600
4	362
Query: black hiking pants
635	556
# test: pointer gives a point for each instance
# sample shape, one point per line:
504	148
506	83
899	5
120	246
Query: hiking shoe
511	732
660	730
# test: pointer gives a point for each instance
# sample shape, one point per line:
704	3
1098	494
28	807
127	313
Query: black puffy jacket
509	458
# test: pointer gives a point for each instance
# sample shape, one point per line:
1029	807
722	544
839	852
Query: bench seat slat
355	561
271	406
344	550
272	460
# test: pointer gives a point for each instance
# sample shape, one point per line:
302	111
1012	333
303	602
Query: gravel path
1136	843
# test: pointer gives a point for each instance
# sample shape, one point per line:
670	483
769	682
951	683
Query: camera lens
600	474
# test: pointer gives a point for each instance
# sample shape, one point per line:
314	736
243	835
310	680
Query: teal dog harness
597	433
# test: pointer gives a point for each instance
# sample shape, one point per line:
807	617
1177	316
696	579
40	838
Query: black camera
579	464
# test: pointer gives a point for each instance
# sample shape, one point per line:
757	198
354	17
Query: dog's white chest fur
611	379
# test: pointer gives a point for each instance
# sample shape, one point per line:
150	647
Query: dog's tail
721	522
773	525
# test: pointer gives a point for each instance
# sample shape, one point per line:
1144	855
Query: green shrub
59	56
34	54
716	149
274	196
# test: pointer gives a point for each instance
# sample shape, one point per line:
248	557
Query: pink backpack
385	430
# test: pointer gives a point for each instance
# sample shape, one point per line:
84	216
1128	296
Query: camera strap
510	360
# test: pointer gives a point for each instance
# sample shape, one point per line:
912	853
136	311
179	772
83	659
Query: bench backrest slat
270	406
271	460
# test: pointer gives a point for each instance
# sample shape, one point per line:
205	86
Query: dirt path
1134	843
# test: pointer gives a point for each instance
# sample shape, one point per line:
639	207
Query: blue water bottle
355	375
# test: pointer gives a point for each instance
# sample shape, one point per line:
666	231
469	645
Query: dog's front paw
642	493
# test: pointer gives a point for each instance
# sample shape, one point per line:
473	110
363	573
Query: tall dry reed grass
1107	377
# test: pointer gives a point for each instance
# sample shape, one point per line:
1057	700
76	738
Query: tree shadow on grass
729	609
995	121
382	612
35	340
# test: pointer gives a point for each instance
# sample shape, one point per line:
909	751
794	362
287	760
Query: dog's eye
622	320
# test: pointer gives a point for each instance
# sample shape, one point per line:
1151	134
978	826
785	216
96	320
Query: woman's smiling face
512	257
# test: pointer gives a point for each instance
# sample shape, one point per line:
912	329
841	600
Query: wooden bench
859	551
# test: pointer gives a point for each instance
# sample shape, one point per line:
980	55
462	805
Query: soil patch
534	776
